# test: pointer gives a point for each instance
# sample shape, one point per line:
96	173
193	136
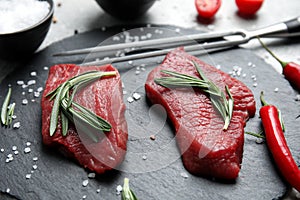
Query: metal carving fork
218	40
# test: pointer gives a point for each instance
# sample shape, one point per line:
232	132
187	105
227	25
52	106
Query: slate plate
154	167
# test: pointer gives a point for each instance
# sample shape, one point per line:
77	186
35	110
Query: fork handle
293	25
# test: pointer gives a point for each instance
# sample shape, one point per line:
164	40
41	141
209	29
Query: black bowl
25	42
125	9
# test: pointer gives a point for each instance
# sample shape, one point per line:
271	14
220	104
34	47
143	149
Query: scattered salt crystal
137	72
14	148
16	152
184	175
20	82
298	97
14	116
276	90
35	158
17	15
28	176
249	64
143	37
119	189
17	125
130	99
23	93
32	100
27	150
9	155
244	75
30	90
28	144
254	84
91	175
24	101
7	190
136	96
24	86
34	167
130	62
124	92
36	94
85	183
98	190
84	197
144	157
33	73
45	68
31	82
2	150
40	89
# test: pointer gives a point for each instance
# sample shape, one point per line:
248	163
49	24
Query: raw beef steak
103	97
207	150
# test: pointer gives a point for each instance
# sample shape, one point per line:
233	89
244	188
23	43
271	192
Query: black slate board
154	168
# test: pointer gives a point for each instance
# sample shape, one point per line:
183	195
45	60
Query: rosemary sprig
127	193
67	109
217	97
7	111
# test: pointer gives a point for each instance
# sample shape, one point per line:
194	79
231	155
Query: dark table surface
85	15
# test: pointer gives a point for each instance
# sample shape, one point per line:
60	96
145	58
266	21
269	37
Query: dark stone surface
160	173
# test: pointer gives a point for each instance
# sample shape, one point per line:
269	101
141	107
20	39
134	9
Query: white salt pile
16	15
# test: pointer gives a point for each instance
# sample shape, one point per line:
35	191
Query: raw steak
206	149
103	97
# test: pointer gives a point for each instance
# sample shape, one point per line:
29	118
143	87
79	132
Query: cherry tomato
207	8
248	7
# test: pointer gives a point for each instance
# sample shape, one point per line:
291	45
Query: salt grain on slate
14	148
184	175
119	189
130	99
98	190
144	157
91	175
28	144
136	96
35	158
85	183
28	176
16	152
40	89
20	82
27	150
33	74
34	167
2	150
276	90
45	68
7	190
24	101
31	82
84	197
17	125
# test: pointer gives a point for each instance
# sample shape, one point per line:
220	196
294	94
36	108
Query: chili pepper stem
283	64
262	99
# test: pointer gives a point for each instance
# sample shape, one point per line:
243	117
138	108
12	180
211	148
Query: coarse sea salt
16	15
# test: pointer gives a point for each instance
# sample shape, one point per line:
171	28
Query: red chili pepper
291	70
277	144
207	8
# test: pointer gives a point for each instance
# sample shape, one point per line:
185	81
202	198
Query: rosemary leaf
10	113
64	106
216	95
64	123
5	107
55	109
127	193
